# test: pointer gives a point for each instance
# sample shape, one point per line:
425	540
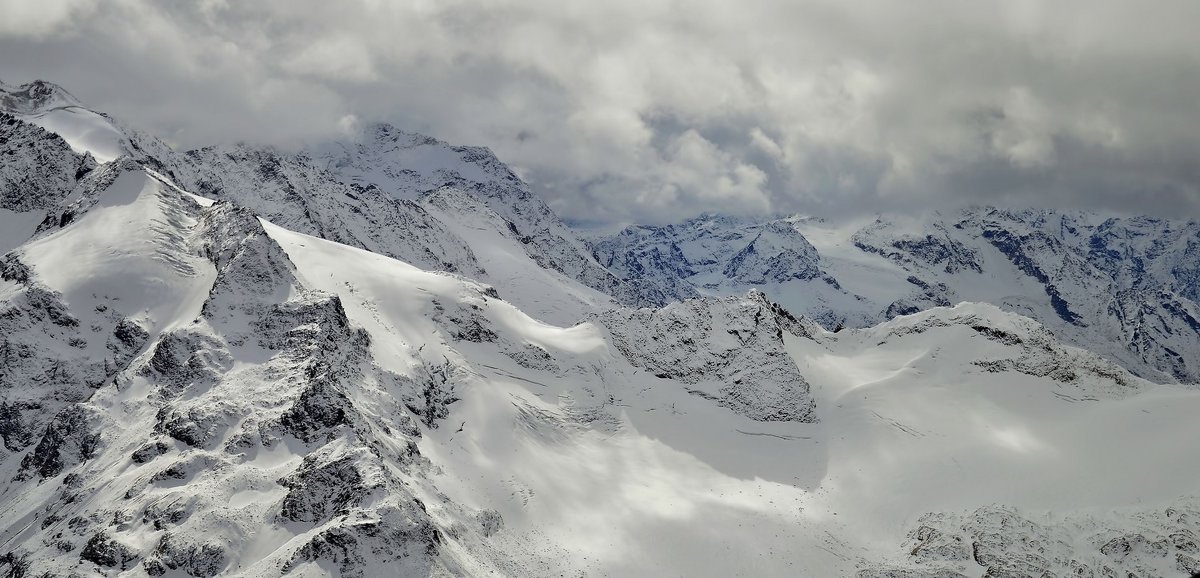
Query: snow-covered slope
996	448
203	411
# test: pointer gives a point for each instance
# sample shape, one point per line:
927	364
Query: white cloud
23	18
766	144
349	124
335	59
632	110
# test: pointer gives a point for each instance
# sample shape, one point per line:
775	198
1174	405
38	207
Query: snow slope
645	475
980	418
548	443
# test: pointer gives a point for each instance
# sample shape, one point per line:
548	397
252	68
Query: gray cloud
641	111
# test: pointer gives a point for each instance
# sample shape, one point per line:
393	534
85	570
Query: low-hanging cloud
628	110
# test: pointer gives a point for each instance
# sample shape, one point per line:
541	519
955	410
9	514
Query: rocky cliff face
39	168
742	252
727	350
1108	282
35	97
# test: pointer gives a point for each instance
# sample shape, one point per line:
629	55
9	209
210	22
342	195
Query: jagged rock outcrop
397	538
266	364
71	438
194	558
728	256
778	253
105	552
741	251
38	169
35	96
327	485
48	363
1111	283
1007	541
729	350
936	249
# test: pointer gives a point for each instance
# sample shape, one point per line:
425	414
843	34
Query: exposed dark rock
183	358
12	269
435	386
69	440
751	373
38	169
149	452
401	537
1015	249
108	553
196	426
321	407
130	334
321	489
202	560
14	428
490	521
464	322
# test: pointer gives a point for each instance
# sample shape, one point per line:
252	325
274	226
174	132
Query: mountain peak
382	132
34	97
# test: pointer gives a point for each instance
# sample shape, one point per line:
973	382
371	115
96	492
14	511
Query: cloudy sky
634	110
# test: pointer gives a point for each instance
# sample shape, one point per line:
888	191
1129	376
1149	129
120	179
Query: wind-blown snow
84	130
102	256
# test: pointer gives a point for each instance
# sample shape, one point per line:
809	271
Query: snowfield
221	363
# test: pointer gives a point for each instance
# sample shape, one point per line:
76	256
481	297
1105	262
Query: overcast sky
634	110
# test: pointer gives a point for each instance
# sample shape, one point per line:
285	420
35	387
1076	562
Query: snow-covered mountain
718	255
386	356
420	200
1125	287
